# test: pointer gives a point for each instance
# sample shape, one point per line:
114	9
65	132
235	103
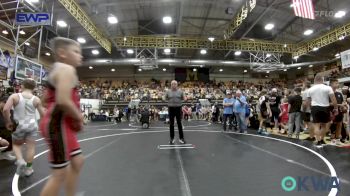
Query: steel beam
80	15
324	40
200	43
239	18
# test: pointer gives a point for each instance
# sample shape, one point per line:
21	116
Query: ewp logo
33	19
310	183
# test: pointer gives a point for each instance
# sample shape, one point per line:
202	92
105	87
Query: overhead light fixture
315	49
295	57
167	19
22	32
245	71
211	39
130	51
267	72
47	54
221	70
340	14
299	67
341	37
194	69
337	55
112	19
237	53
269	26
308	32
285	45
61	23
124	38
285	70
311	65
140	69
90	67
167	50
81	40
95	52
5	32
266	76
164	69
27	44
113	70
268	55
203	51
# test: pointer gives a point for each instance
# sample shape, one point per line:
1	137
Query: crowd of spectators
125	91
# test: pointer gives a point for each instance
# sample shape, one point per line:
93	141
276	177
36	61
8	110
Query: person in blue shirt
228	103
240	111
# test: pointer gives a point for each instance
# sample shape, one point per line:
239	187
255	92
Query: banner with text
192	74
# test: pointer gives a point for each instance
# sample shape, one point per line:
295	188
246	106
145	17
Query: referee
175	96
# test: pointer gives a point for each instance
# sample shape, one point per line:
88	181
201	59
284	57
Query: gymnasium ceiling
196	19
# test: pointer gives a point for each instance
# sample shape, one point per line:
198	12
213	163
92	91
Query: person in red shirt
63	118
284	115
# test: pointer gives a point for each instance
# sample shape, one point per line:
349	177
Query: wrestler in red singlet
59	130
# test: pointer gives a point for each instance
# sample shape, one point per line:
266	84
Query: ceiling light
164	69
267	72
47	54
90	67
308	32
311	65
339	14
130	51
167	19
203	51
315	49
211	39
22	32
237	53
167	50
113	70
285	45
27	44
5	32
124	38
266	76
112	19
61	23
194	69
295	57
341	37
337	55
245	71
299	67
285	70
294	4
95	52
269	26
268	55
81	40
221	70
140	69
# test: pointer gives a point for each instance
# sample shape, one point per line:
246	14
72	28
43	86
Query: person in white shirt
319	95
306	112
24	106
